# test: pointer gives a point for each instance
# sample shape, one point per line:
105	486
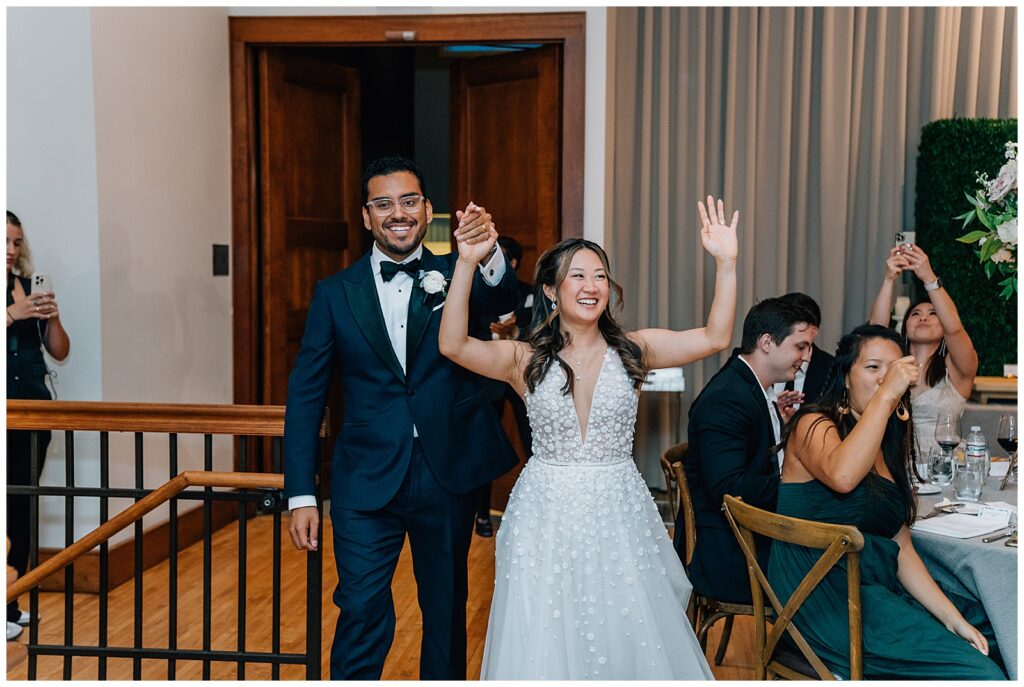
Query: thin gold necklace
579	362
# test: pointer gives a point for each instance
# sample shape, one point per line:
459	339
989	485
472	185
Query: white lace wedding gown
587	584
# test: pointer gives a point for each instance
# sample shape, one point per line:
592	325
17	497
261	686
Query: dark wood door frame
249	33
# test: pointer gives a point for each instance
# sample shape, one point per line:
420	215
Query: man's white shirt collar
773	415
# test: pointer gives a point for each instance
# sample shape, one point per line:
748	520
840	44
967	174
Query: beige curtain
805	119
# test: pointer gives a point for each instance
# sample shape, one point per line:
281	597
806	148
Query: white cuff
494	270
301	502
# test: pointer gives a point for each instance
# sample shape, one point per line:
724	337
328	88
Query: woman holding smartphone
33	324
934	335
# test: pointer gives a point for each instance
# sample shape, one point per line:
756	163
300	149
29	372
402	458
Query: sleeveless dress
901	638
587	584
928	405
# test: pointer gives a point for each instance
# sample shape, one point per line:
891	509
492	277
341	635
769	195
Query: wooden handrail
176	418
167	491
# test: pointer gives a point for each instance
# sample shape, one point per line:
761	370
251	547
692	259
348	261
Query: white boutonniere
433	282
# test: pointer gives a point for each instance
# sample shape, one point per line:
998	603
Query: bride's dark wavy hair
898	441
545	335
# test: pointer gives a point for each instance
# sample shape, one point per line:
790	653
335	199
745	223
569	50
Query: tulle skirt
587	584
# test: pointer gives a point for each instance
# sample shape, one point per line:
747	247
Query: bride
587	585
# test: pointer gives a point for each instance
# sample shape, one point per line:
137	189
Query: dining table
986	571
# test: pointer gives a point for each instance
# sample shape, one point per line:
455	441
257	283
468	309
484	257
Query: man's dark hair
802	300
389	165
511	248
774	316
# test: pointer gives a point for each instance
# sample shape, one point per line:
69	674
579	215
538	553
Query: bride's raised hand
718	238
478	249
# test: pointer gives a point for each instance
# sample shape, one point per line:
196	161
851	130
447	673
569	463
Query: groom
418	435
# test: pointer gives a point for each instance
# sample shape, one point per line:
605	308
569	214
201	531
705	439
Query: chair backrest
835	541
672	461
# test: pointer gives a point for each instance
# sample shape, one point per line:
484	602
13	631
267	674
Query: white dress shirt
394	305
773	412
798	382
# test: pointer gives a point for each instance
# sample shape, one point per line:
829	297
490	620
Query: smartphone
905	238
41	283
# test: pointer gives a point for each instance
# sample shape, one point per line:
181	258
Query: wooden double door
506	116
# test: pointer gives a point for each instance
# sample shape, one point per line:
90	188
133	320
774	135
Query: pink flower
1002	255
1008	232
1004	183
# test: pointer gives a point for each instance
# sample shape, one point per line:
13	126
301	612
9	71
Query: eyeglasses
382	207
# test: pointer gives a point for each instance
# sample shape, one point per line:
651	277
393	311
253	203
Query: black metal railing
251	437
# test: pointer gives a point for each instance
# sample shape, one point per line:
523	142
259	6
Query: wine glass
947	432
1008	432
1008	440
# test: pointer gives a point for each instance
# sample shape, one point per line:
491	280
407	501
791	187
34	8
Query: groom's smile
396	228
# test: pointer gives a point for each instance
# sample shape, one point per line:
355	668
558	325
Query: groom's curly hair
545	335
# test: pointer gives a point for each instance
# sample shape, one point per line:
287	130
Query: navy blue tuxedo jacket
730	435
461	437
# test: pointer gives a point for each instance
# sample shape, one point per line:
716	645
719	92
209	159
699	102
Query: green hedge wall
951	152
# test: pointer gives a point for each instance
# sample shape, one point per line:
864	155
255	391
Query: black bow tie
389	269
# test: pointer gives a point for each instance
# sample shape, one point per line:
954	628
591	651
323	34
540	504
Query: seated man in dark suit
810	378
733	430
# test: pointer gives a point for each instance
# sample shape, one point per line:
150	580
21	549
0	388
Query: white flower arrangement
433	282
995	207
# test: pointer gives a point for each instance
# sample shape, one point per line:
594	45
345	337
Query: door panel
506	155
310	190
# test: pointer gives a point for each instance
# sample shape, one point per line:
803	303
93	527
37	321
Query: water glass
922	467
940	466
968	478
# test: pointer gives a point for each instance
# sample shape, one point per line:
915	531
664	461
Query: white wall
51	173
119	167
163	135
596	76
51	186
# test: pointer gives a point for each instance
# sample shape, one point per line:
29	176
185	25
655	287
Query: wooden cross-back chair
836	542
702	611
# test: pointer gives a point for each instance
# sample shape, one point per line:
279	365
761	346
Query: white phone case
42	283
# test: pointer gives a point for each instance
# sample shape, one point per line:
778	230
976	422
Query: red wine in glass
948	445
1007	435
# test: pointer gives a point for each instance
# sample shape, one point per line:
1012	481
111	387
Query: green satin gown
901	638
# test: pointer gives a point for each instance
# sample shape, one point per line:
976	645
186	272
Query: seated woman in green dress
848	460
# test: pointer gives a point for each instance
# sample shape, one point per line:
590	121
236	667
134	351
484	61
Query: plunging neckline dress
587	584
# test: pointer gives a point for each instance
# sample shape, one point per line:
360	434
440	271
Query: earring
901	411
554	306
844	404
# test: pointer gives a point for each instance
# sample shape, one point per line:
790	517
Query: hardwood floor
403	660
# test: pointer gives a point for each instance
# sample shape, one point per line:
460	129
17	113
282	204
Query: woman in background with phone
934	335
33	324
